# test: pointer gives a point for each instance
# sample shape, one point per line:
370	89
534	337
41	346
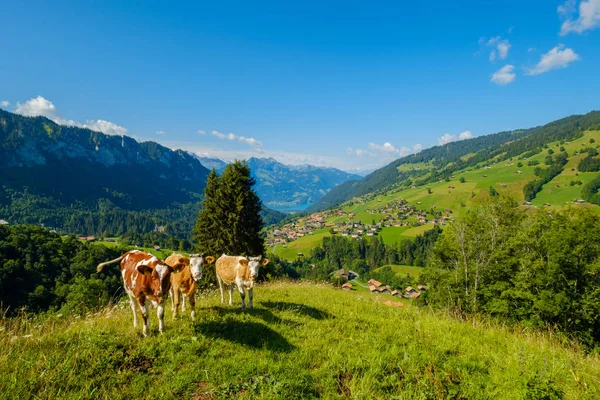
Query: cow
145	278
238	271
184	281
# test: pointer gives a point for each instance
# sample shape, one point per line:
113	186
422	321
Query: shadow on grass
303	309
247	333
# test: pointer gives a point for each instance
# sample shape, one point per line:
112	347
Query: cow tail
100	266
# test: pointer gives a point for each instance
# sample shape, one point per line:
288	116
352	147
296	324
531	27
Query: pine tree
229	221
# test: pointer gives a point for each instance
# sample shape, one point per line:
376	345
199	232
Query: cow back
228	268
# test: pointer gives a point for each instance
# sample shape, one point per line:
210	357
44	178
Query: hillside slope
453	195
444	160
301	341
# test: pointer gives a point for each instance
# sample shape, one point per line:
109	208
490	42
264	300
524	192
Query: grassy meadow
415	272
301	341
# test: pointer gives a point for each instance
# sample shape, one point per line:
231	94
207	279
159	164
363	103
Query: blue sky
345	84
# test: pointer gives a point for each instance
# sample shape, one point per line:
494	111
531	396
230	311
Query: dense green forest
447	159
364	256
541	268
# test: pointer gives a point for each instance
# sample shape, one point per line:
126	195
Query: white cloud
558	57
201	132
447	138
230	136
465	135
37	107
4	103
417	148
219	134
160	132
511	29
504	75
531	50
40	106
106	127
589	16
500	47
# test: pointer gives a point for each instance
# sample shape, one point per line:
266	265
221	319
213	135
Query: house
87	238
579	201
526	203
156	247
421	288
373	289
373	282
347	286
396	293
300	254
3	222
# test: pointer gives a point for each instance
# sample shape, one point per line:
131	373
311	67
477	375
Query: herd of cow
149	280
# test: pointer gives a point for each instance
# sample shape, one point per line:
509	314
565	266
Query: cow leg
132	303
183	302
230	288
160	312
250	296
242	295
221	289
175	301
145	308
193	304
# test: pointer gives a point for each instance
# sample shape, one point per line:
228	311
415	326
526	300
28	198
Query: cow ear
265	261
209	260
144	269
177	267
182	260
244	262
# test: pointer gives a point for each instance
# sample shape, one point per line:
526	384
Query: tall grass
301	341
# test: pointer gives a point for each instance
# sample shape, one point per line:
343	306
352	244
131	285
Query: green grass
301	341
302	245
413	271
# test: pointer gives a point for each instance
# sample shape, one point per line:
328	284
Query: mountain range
288	187
87	182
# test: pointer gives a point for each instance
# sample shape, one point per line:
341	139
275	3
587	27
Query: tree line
540	269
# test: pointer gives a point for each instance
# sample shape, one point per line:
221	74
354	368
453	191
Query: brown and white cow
238	271
184	281
145	278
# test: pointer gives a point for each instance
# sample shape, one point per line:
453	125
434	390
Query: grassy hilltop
301	341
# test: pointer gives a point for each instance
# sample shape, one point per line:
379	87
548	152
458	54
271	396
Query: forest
539	268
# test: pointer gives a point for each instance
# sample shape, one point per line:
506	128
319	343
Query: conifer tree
230	220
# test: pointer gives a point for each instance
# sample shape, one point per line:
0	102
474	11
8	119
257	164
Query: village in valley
396	213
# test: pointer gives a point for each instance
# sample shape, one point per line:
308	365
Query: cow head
254	263
197	261
161	276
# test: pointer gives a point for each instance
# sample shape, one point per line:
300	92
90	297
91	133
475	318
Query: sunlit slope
301	341
506	177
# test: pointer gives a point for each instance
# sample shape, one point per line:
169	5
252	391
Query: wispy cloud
232	137
39	106
558	57
588	18
500	47
4	103
504	75
447	138
160	132
201	132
